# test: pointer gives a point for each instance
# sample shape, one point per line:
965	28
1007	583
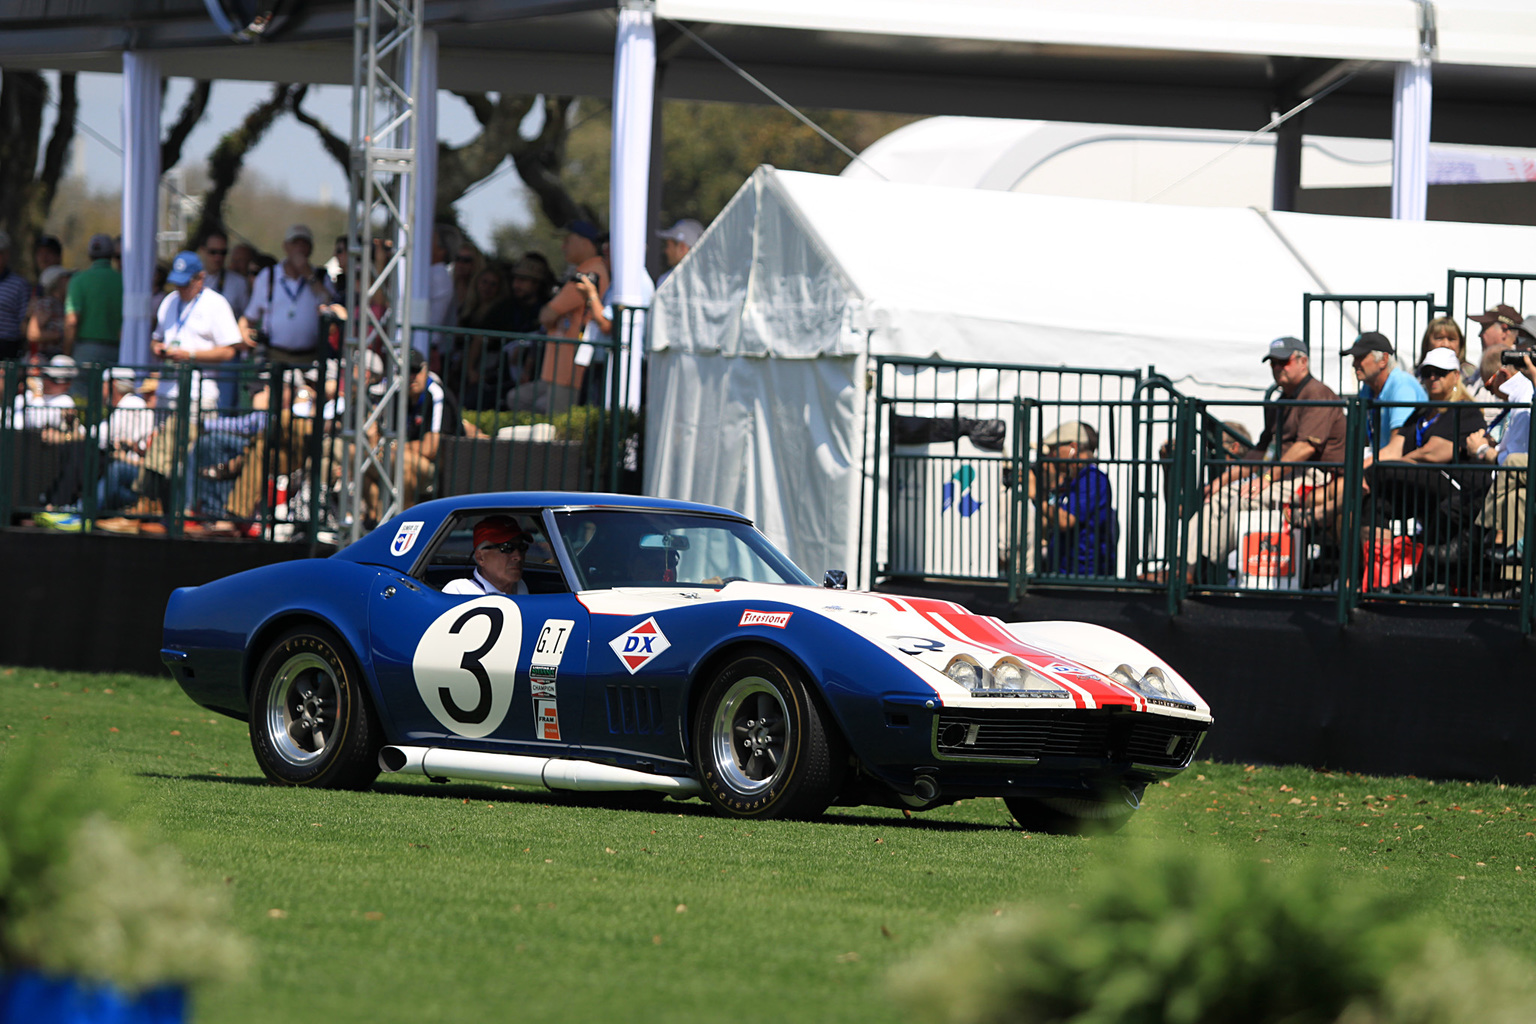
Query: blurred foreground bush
1187	937
81	898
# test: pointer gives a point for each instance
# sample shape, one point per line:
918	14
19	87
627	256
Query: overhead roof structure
1179	63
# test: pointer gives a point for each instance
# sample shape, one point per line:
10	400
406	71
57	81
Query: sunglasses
1433	373
520	546
217	252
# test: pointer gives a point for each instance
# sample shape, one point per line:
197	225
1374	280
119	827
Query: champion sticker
405	537
638	646
778	620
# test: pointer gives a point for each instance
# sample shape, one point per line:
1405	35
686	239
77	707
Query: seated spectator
500	547
1311	448
45	319
46	406
1443	332
124	438
1503	514
432	414
1399	488
1382	380
533	284
1078	512
1502	328
51	470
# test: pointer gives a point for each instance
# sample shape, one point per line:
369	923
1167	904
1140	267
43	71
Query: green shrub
1199	938
79	897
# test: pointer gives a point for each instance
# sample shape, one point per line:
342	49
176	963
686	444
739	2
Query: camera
591	279
1516	357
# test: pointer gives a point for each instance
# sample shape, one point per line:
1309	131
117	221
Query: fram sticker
405	537
638	646
778	620
546	720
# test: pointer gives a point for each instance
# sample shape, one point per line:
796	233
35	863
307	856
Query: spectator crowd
248	347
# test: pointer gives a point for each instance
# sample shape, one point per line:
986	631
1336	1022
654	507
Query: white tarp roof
803	265
1470	31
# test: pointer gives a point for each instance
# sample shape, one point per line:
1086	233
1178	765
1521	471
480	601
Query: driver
500	546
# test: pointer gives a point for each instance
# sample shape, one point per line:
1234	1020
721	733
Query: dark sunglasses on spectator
463	259
510	546
1433	372
217	252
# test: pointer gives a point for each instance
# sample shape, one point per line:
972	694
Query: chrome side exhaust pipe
550	772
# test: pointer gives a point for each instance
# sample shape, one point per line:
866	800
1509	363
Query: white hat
122	376
60	367
300	231
1441	359
686	231
50	276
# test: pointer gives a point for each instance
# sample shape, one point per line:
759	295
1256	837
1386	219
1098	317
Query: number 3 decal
466	664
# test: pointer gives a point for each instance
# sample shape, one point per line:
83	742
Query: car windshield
612	548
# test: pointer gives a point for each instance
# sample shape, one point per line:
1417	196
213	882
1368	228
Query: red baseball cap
497	530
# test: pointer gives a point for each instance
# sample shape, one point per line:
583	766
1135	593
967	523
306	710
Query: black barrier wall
95	603
1434	692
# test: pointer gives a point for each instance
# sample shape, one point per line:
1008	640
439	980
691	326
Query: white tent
763	335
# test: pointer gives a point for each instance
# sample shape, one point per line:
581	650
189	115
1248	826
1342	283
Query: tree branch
539	162
228	157
191	113
336	146
58	143
478	104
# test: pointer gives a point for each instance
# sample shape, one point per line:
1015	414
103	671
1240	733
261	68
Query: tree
27	190
228	157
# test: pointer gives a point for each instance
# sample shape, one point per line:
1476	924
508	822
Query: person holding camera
1508	374
566	316
282	318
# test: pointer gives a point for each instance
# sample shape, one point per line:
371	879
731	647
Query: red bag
1389	562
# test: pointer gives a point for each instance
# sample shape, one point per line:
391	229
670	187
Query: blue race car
666	647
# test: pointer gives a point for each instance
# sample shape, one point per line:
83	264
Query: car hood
1074	659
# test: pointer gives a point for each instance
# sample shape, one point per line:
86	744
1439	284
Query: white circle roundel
466	664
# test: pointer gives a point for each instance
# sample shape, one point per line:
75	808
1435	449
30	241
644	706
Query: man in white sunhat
679	238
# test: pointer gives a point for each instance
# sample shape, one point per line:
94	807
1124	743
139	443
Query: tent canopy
762	335
804	265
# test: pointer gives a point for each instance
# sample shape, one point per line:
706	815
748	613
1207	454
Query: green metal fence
261	451
1331	323
1168	497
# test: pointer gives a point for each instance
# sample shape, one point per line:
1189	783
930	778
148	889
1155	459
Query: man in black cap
1502	327
1311	452
1382	380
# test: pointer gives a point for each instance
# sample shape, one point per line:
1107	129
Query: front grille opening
1104	735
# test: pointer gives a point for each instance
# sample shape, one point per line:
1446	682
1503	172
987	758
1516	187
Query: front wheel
1069	815
760	745
310	723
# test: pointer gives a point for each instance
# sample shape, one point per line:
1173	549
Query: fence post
1527	554
8	433
189	403
1350	580
1019	534
96	415
874	511
1184	494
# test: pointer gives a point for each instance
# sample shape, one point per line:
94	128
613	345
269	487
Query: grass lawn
471	902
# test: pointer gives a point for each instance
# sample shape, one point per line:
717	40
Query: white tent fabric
761	335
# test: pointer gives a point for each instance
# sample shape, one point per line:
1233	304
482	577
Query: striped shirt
15	294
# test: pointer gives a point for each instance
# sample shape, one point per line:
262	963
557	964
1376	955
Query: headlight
1153	683
964	670
1010	675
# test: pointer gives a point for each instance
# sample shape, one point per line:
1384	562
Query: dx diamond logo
639	645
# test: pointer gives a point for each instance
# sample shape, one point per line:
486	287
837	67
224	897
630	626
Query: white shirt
232	286
1517	429
132	420
205	323
39	412
292	318
478	584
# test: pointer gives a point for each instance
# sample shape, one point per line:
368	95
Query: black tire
759	742
310	721
1075	816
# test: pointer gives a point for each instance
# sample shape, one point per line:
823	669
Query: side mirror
835	579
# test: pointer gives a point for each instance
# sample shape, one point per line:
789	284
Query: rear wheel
1073	816
760	744
310	722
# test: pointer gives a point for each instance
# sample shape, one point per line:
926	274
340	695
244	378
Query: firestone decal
638	646
405	537
778	620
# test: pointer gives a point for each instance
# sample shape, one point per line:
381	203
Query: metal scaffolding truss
386	95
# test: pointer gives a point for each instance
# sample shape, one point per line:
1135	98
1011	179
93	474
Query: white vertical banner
1412	92
634	96
424	184
141	200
